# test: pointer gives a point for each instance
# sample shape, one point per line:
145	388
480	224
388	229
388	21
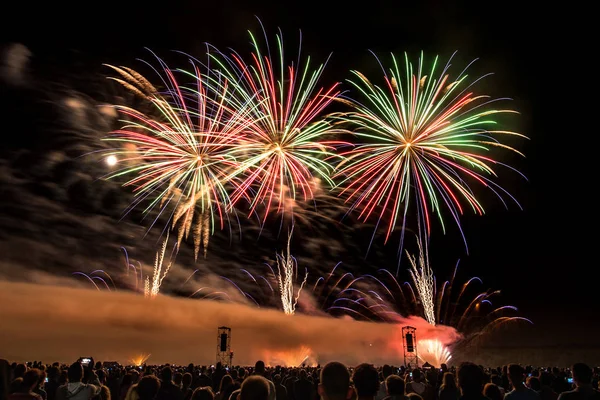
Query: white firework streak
434	352
424	280
152	290
287	270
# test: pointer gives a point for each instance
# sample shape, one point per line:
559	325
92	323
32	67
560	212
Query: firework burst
424	136
184	156
382	297
288	143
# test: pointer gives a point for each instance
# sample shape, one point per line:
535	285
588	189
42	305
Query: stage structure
224	353
409	341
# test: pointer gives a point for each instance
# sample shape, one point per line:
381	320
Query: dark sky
541	257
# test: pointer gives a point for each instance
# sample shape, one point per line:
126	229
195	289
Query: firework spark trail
183	157
286	145
152	287
424	281
423	136
287	270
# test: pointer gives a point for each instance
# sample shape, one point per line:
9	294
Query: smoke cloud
62	323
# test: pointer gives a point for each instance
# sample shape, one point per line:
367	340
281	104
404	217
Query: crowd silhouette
334	381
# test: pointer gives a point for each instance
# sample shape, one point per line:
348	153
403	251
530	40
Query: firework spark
424	282
183	157
287	271
434	352
424	136
152	287
287	144
300	356
384	298
139	359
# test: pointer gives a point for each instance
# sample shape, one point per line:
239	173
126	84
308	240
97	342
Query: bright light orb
111	161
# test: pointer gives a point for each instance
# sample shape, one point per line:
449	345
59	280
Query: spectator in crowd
386	371
546	392
394	387
303	388
74	389
492	391
28	383
280	390
225	388
186	385
259	369
255	387
53	383
516	377
470	382
4	379
448	389
582	378
335	382
366	381
418	384
147	388
168	390
203	393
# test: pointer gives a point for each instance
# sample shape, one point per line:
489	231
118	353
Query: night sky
542	258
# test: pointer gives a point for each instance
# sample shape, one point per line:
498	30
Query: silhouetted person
449	389
203	393
492	392
4	379
30	380
303	388
255	387
470	382
186	385
226	387
516	377
53	382
168	390
19	371
280	390
203	379
546	392
335	382
74	389
259	369
38	387
418	384
533	383
395	388
582	378
386	371
148	387
366	382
